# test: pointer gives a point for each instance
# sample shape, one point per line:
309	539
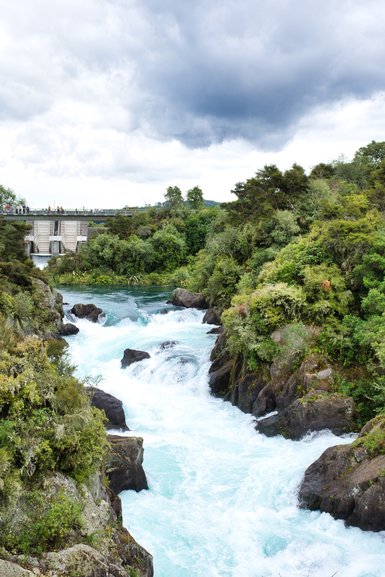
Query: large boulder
89	311
10	569
184	298
314	412
126	557
212	316
313	374
112	407
68	329
124	468
131	356
348	481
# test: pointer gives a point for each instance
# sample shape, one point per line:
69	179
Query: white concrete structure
52	237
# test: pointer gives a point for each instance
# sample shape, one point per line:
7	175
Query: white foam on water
223	498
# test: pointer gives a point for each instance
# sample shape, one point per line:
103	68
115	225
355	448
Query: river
222	499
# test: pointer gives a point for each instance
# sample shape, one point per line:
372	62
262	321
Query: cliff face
347	481
57	516
97	545
305	398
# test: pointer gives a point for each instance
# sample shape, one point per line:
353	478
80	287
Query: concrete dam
58	232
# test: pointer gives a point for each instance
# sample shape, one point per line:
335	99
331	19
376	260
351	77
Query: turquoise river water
222	499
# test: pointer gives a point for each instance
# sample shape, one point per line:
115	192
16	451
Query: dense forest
304	252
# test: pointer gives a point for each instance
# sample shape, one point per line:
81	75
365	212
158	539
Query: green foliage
51	521
222	282
173	197
291	260
169	249
374	439
252	318
195	198
7	196
372	154
322	171
285	227
46	415
373	303
269	190
12	240
197	228
368	394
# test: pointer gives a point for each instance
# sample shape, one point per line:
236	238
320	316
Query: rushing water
222	499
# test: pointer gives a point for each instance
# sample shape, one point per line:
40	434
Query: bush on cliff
46	422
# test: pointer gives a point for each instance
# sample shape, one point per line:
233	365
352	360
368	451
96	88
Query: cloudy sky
105	103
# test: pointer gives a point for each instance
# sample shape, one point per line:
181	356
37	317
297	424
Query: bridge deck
80	215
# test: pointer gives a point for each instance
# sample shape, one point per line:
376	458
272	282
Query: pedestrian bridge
55	232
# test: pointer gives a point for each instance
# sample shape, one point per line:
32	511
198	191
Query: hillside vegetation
47	426
304	252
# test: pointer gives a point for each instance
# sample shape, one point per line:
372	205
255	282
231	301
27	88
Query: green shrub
47	526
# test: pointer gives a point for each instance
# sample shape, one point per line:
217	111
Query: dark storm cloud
216	70
201	71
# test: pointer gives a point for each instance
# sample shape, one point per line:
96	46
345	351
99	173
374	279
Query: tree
7	196
169	248
322	170
198	225
195	197
173	196
257	196
372	154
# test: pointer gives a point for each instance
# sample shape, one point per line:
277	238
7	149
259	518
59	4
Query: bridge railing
69	212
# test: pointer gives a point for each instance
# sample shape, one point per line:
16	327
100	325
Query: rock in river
184	298
131	356
112	407
68	329
348	481
89	312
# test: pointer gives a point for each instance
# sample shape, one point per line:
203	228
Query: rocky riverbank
347	481
60	514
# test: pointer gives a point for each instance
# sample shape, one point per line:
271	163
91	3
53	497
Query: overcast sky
105	103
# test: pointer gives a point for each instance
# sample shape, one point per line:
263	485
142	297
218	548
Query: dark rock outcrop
246	394
348	481
68	329
215	331
311	413
212	316
131	356
124	468
221	369
184	298
112	407
88	311
220	379
304	398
